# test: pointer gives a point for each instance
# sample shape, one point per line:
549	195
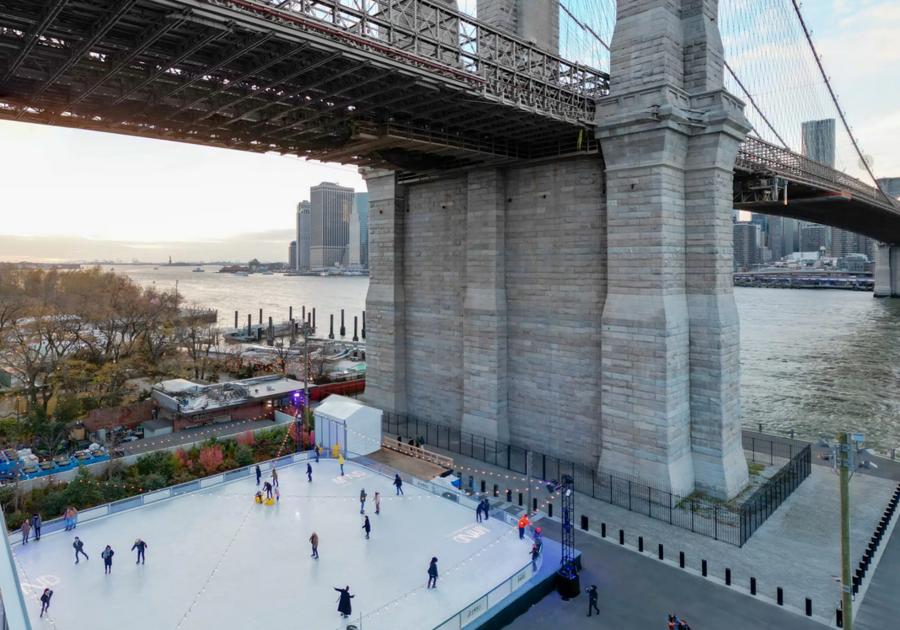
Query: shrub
153	482
161	463
54	504
243	455
83	491
14	520
116	469
246	438
211	458
184	459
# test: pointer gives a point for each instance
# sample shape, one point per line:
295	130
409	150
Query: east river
812	361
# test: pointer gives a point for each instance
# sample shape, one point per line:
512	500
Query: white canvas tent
345	421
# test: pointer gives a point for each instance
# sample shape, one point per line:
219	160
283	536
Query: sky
82	195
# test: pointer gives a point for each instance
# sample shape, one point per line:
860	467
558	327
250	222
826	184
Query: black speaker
568	584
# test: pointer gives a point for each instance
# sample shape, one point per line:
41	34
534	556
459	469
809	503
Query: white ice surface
217	560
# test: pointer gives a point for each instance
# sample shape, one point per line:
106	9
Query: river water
812	361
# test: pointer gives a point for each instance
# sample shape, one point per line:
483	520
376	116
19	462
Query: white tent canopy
345	421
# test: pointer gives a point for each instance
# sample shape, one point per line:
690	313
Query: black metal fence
728	522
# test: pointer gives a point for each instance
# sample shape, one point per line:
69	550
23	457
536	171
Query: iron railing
730	522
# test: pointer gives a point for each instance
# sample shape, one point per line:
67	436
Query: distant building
819	141
292	255
362	206
844	243
746	245
815	238
303	236
353	246
775	236
854	263
890	186
331	207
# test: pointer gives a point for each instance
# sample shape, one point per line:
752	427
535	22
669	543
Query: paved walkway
188	436
880	607
637	593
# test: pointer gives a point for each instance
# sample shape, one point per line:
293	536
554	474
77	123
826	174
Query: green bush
83	491
153	482
54	504
243	455
14	520
161	463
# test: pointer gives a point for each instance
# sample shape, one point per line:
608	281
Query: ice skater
399	483
479	510
259	498
277	495
74	517
341	462
26	530
36	522
535	554
79	549
362	501
487	510
68	516
344	601
268	488
274	478
432	574
368	527
378	503
45	601
309	470
317	456
141	546
107	556
258	475
592	600
314	541
523	523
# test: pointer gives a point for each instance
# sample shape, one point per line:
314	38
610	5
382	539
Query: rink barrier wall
131	503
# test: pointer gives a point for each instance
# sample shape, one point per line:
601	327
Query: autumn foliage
211	458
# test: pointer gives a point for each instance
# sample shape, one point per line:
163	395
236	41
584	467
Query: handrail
418	452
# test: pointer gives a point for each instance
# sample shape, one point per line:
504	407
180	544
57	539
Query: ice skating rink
216	560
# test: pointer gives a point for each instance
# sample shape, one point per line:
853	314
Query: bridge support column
670	332
485	323
887	270
385	302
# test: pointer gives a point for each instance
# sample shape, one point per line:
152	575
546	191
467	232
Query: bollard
661	556
792	434
584	522
681	559
753	586
471	481
727	577
331	328
483	486
839	618
534	505
364	325
808	607
508	495
760	427
621	536
550	510
602	530
520	499
703	567
496	491
314	319
343	328
640	543
780	596
355	335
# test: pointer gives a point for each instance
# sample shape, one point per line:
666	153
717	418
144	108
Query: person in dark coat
26	530
36	522
317	456
268	488
107	556
344	602
79	549
432	574
362	501
258	475
478	510
140	545
309	471
487	510
399	483
366	526
45	601
535	553
592	600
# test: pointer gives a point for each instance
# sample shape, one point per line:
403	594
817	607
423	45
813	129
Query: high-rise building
815	238
303	236
790	237
746	245
329	221
890	186
353	246
362	206
762	220
844	243
819	141
776	237
292	255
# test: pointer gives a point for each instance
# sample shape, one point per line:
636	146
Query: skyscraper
292	255
775	238
819	141
362	206
353	246
303	236
329	221
815	238
746	245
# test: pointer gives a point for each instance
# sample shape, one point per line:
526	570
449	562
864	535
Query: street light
307	330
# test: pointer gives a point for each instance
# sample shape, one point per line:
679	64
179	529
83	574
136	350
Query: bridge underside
220	74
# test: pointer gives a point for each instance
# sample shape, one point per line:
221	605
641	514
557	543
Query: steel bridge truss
409	84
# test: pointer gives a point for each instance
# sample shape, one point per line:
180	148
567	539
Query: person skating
341	462
478	511
344	601
26	530
368	527
268	488
79	549
432	574
487	510
378	503
45	601
274	478
140	545
258	475
68	516
399	483
309	471
314	541
362	501
673	622
317	456
36	522
277	495
535	553
523	523
592	600
107	556
74	517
